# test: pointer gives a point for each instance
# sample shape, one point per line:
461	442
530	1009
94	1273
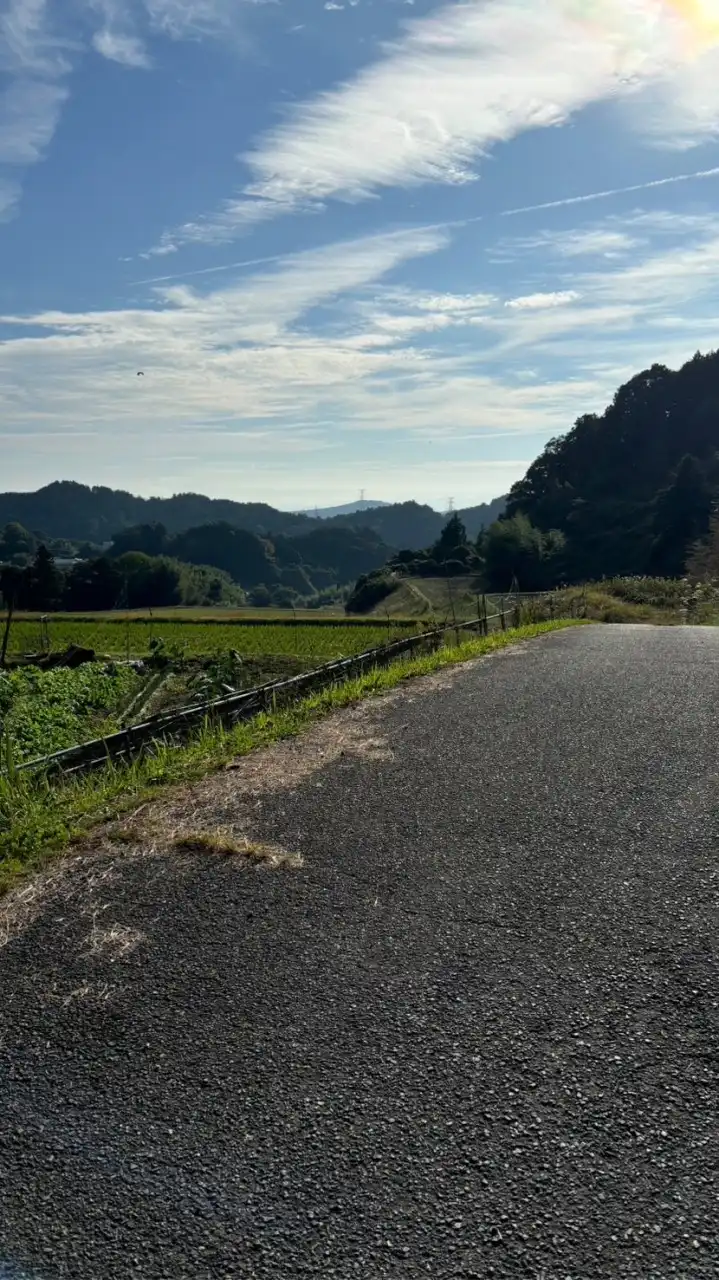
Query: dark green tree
45	582
514	550
17	544
151	539
93	584
452	543
681	513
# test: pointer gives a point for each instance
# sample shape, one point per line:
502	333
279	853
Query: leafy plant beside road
45	711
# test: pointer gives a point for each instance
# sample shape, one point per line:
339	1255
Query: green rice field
185	638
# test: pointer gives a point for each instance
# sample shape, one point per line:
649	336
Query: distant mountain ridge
348	509
80	513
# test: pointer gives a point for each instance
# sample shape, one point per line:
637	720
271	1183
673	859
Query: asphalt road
476	1035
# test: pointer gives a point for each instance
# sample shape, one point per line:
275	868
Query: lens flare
701	15
698	18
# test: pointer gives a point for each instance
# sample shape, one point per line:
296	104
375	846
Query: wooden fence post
6	637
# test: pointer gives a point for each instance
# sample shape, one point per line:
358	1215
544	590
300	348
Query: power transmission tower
362	493
450	506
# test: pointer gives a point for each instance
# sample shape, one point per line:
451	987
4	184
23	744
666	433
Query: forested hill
78	513
310	562
414	525
632	489
81	513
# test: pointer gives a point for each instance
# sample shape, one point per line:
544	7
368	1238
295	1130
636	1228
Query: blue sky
358	244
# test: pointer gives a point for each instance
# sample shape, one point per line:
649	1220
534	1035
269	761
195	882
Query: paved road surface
475	1036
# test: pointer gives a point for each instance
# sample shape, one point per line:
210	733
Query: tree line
132	581
213	564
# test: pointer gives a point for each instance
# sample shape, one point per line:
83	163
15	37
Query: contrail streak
615	191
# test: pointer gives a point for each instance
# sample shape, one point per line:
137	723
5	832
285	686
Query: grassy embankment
662	601
40	816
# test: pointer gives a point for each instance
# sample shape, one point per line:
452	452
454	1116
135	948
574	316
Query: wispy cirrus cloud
120	47
35	60
181	19
116	37
42	43
453	86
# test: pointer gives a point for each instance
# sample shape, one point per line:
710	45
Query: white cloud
594	243
541	301
9	194
599	241
41	43
236	351
457	83
246	376
35	61
29	112
119	47
683	111
182	19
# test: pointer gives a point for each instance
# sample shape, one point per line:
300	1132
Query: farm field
184	638
206	613
149	665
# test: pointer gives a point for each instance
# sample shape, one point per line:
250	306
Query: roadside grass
40	816
660	601
600	605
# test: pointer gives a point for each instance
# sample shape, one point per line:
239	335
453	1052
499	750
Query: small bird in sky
140	374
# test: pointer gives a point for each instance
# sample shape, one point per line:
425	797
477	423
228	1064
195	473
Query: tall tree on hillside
452	538
93	584
703	560
45	582
16	543
150	539
452	552
11	578
681	518
515	550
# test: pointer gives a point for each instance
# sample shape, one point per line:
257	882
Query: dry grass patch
223	844
114	940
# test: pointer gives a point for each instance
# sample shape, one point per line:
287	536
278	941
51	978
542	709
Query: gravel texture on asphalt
475	1034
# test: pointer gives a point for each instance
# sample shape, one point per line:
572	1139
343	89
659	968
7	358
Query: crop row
190	639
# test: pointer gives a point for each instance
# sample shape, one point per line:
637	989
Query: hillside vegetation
81	514
632	490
